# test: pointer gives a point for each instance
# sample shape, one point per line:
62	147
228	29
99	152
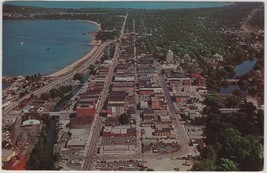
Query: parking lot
161	147
118	141
71	158
167	164
117	165
195	132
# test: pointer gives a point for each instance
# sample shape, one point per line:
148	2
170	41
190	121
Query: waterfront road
97	54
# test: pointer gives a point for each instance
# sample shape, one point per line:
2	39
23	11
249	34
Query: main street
97	123
180	130
137	112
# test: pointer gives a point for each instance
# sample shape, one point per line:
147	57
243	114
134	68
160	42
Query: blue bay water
43	46
129	4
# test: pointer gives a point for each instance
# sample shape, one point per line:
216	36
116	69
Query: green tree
237	93
91	69
45	96
233	101
253	90
199	121
204	165
209	153
248	108
213	101
227	165
255	158
124	119
260	121
236	147
78	76
56	93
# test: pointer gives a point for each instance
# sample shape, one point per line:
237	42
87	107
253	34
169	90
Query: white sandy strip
71	66
90	21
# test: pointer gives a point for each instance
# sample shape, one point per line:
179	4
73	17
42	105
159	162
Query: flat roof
76	142
78	131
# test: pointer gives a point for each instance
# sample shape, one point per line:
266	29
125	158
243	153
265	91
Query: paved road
137	112
98	121
180	130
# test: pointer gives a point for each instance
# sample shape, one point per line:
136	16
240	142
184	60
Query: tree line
234	141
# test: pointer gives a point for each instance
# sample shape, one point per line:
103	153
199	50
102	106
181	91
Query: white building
143	105
27	108
124	78
169	57
30	119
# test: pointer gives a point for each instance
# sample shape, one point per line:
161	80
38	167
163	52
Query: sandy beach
73	65
90	21
70	67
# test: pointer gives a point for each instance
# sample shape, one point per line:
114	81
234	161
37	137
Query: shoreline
94	22
71	66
